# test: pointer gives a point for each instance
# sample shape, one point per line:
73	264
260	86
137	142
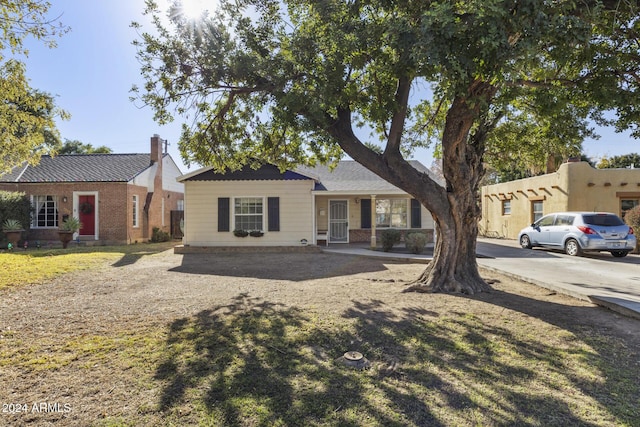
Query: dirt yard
151	292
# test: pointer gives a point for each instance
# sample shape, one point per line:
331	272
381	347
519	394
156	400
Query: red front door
87	215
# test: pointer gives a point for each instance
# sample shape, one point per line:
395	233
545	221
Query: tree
623	161
27	115
290	82
77	147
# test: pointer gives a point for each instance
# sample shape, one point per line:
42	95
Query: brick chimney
156	149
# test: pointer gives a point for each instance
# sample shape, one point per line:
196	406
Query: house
576	186
118	198
296	207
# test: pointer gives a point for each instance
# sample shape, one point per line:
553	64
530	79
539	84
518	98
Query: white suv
577	232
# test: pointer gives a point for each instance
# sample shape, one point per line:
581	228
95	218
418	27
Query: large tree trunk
455	207
454	267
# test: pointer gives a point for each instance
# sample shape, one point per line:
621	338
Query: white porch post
374	243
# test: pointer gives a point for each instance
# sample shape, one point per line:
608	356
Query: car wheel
572	247
619	254
525	243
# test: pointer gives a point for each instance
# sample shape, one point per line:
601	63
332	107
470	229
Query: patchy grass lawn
21	267
233	340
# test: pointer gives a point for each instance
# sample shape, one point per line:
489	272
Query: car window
564	220
602	219
545	221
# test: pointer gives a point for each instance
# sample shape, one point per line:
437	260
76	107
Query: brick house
118	198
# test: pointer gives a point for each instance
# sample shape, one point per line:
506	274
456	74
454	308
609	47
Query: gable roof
264	173
348	176
81	168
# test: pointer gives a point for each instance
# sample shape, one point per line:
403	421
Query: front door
338	221
87	215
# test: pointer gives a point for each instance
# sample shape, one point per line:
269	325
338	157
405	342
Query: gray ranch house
305	206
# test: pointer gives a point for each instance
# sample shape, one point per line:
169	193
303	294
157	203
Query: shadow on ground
254	362
294	267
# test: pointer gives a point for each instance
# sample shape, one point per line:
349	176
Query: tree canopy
299	81
27	115
78	147
623	161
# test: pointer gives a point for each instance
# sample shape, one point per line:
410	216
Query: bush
158	235
389	238
15	205
415	242
632	218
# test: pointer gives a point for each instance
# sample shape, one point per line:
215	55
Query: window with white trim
392	213
506	207
46	212
134	205
248	213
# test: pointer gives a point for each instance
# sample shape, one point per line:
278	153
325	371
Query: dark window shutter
416	217
223	214
273	210
365	213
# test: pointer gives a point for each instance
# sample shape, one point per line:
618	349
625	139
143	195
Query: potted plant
256	233
65	231
13	230
240	233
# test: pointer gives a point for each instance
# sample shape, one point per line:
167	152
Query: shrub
158	235
15	205
415	242
11	225
632	218
389	238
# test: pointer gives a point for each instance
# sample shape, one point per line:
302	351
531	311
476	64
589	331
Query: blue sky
94	66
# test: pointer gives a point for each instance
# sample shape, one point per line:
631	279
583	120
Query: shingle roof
264	173
81	168
350	175
347	176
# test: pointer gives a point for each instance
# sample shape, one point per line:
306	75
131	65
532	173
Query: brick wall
364	235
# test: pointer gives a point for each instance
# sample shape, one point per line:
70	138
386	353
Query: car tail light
631	230
586	230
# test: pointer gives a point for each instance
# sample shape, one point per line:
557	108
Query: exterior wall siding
573	187
201	212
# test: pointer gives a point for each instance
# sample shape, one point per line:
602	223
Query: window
546	221
536	208
134	204
391	213
564	220
626	204
248	213
506	207
46	211
180	205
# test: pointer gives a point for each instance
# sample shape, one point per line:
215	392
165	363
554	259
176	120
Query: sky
94	67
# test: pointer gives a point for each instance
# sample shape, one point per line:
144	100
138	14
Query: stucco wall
573	187
201	212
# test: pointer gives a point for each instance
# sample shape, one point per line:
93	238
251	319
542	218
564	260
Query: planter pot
65	238
13	236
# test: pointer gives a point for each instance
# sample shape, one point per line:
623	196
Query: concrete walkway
610	282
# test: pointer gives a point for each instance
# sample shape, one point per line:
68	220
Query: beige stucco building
575	186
